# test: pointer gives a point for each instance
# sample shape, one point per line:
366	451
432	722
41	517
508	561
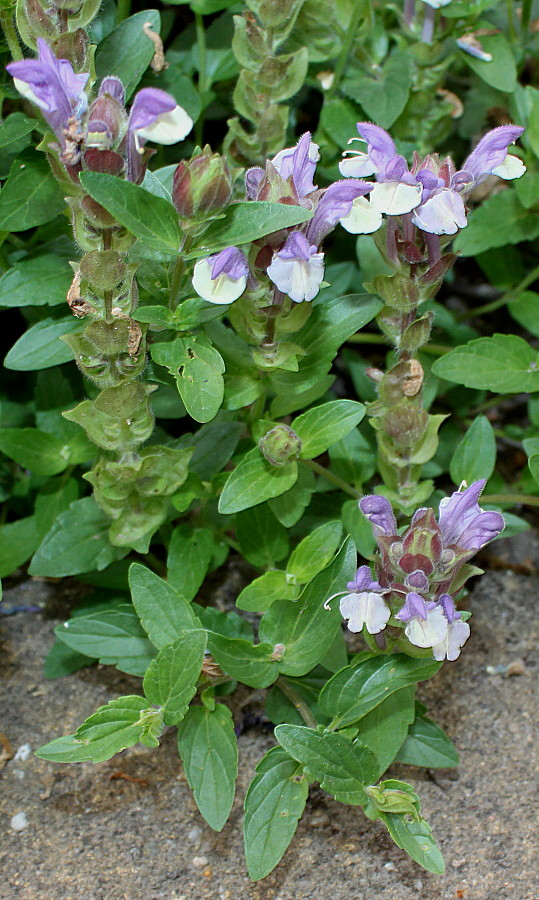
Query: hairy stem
10	34
362	10
330	476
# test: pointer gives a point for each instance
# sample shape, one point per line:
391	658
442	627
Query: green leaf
261	537
151	219
40	347
416	838
314	552
127	51
255	480
339	120
18	540
31	195
324	425
342	768
281	710
209	752
475	454
253	665
78	542
120	724
112	635
41	280
164	614
198	369
503	363
171	678
55	497
273	806
500	72
524	309
355	690
533	464
36	450
13	129
384	729
214	445
262	592
500	220
290	506
304	627
189	556
383	97
247	221
228	624
428	745
61	660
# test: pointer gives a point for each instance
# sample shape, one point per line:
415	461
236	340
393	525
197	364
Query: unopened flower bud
105	119
202	185
280	445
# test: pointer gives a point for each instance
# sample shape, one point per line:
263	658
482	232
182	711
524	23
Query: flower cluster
432	192
101	136
419	572
289	261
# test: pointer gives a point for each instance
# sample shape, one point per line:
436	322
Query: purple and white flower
52	85
464	524
457	634
297	269
364	606
155	116
426	624
222	277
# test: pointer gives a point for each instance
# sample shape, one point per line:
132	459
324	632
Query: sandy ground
92	836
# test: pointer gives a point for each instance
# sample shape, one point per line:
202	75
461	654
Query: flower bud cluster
420	573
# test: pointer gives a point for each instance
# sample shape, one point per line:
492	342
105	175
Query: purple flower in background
490	157
464	524
52	85
299	162
469	44
297	269
221	278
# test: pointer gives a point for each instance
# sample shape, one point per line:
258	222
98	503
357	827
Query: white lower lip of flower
168	128
443	213
427	632
366	608
299	278
437	4
362	218
356	165
26	91
511	168
221	290
394	198
457	635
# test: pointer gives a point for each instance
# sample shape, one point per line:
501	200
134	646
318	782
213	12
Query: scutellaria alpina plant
207	316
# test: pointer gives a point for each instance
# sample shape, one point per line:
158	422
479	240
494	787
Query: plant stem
508	297
511	499
123	9
362	9
202	79
511	21
6	20
367	338
179	271
297	702
329	476
525	17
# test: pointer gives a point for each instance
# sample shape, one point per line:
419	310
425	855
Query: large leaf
41	280
36	450
153	220
171	679
112	635
341	767
127	51
304	627
324	425
78	542
503	363
428	745
255	480
30	196
189	556
198	369
40	347
262	539
475	454
355	690
248	220
500	220
274	803
209	752
384	729
164	614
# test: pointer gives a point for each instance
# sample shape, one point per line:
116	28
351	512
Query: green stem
367	338
511	21
202	73
297	702
179	272
10	33
525	18
511	499
329	476
363	9
123	10
508	297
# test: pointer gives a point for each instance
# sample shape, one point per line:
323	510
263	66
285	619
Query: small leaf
151	219
314	552
41	280
503	363
189	556
18	540
164	614
247	221
262	592
383	97
262	539
171	678
416	838
30	196
198	369
525	309
273	806
253	481
342	768
40	347
500	220
127	52
428	745
249	663
384	729
36	450
324	425
475	454
209	752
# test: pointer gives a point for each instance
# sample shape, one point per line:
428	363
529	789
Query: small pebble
23	753
389	867
457	863
418	884
19	821
516	668
200	861
195	834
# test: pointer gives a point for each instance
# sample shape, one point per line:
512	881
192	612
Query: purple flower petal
379	512
297	269
380	146
442	213
491	150
335	204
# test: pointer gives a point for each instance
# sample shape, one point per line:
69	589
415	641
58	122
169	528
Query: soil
128	829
